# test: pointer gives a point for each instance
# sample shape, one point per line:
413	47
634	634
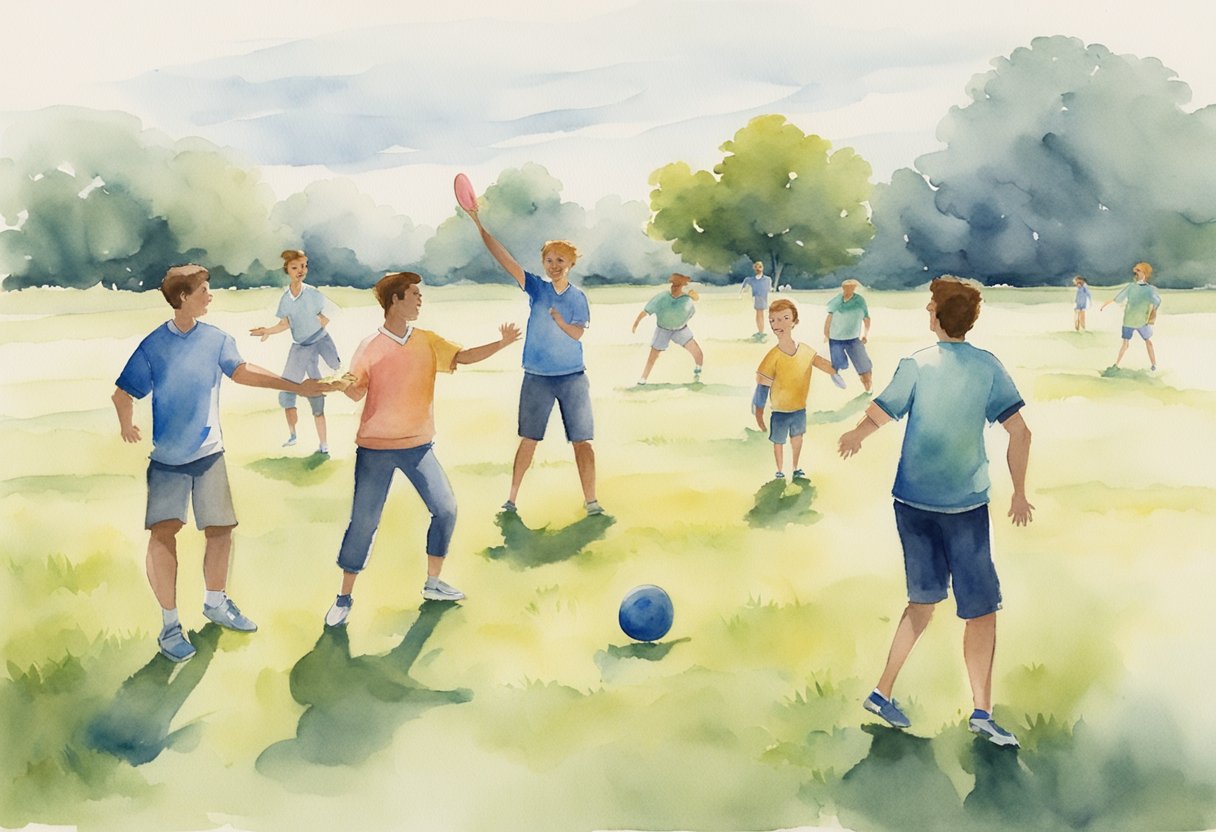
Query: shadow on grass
613	661
67	484
692	386
354	705
526	548
135	726
778	505
297	470
853	406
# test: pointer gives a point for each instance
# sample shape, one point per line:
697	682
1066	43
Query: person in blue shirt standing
948	392
306	312
760	284
180	363
1081	303
553	361
846	329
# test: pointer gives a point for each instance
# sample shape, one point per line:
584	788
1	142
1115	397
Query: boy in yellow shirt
785	372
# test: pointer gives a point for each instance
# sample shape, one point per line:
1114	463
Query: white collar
409	330
176	330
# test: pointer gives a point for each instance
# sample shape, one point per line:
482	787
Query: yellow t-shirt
400	381
791	375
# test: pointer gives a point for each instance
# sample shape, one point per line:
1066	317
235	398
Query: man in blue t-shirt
180	363
760	284
948	392
553	361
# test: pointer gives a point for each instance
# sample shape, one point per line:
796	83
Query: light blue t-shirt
182	372
301	312
847	317
759	284
948	392
1142	299
1084	296
547	350
671	311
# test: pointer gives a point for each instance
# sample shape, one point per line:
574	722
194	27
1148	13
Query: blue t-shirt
1084	296
182	372
759	284
950	390
547	350
301	312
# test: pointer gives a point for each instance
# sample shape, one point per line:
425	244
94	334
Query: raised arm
850	442
1018	458
497	250
124	406
265	332
510	334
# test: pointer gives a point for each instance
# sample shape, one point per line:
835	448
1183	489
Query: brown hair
393	286
781	305
182	280
957	302
290	255
679	280
564	247
1147	269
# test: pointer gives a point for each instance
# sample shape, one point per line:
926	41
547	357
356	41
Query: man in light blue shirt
846	329
553	361
181	363
760	284
1140	313
949	392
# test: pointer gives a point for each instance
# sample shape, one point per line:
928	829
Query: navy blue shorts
784	424
573	396
940	549
844	351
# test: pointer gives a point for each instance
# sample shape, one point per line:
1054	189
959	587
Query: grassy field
525	707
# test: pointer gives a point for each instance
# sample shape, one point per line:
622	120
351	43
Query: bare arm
324	321
821	363
850	442
1018	458
124	406
252	375
265	332
827	326
638	320
498	251
573	330
510	334
865	333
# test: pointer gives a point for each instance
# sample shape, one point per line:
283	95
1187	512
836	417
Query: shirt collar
174	329
409	330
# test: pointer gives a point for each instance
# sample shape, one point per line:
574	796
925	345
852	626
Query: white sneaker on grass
437	590
340	611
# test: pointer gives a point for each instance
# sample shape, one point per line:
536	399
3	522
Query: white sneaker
441	591
339	612
291	440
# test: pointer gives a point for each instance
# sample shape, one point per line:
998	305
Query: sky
401	96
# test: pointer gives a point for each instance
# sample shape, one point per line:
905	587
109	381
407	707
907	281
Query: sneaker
984	725
339	612
641	382
696	374
799	474
1153	368
593	507
291	440
173	644
323	450
227	615
780	475
888	709
838	380
508	506
441	591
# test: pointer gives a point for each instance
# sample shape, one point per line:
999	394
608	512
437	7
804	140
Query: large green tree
779	196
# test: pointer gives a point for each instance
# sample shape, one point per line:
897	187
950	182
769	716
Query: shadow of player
354	704
778	505
135	726
852	407
525	548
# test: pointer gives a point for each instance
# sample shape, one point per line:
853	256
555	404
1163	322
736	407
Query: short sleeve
533	285
1122	296
1004	400
281	311
1156	297
865	307
360	366
583	311
652	305
768	365
896	399
834	305
445	353
136	377
230	356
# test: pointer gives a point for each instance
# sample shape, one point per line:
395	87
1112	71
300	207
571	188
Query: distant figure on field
673	309
1083	300
1140	313
306	312
948	392
846	329
760	284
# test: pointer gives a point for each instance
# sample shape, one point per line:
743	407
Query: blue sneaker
227	615
173	644
983	724
780	475
888	709
509	506
799	474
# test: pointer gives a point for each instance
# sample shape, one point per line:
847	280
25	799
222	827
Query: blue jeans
374	471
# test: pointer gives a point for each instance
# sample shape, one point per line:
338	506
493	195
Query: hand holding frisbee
466	197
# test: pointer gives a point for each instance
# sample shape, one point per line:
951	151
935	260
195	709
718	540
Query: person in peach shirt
393	373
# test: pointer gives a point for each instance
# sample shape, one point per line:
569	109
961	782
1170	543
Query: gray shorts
663	337
304	361
203	482
760	302
573	396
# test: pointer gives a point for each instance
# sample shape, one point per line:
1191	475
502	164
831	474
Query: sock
344	600
432	581
169	617
978	714
214	597
697	369
878	693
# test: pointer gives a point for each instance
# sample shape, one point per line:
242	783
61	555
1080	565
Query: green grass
525	707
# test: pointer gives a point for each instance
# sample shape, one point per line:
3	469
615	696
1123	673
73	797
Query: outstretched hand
510	333
260	332
850	444
310	387
1020	510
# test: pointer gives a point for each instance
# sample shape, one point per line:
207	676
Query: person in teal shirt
1140	313
672	310
846	329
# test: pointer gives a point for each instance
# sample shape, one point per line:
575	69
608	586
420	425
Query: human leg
912	623
584	460
979	647
650	360
161	562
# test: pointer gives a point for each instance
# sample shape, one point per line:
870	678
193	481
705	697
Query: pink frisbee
465	195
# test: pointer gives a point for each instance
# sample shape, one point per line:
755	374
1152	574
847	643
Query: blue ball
646	613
